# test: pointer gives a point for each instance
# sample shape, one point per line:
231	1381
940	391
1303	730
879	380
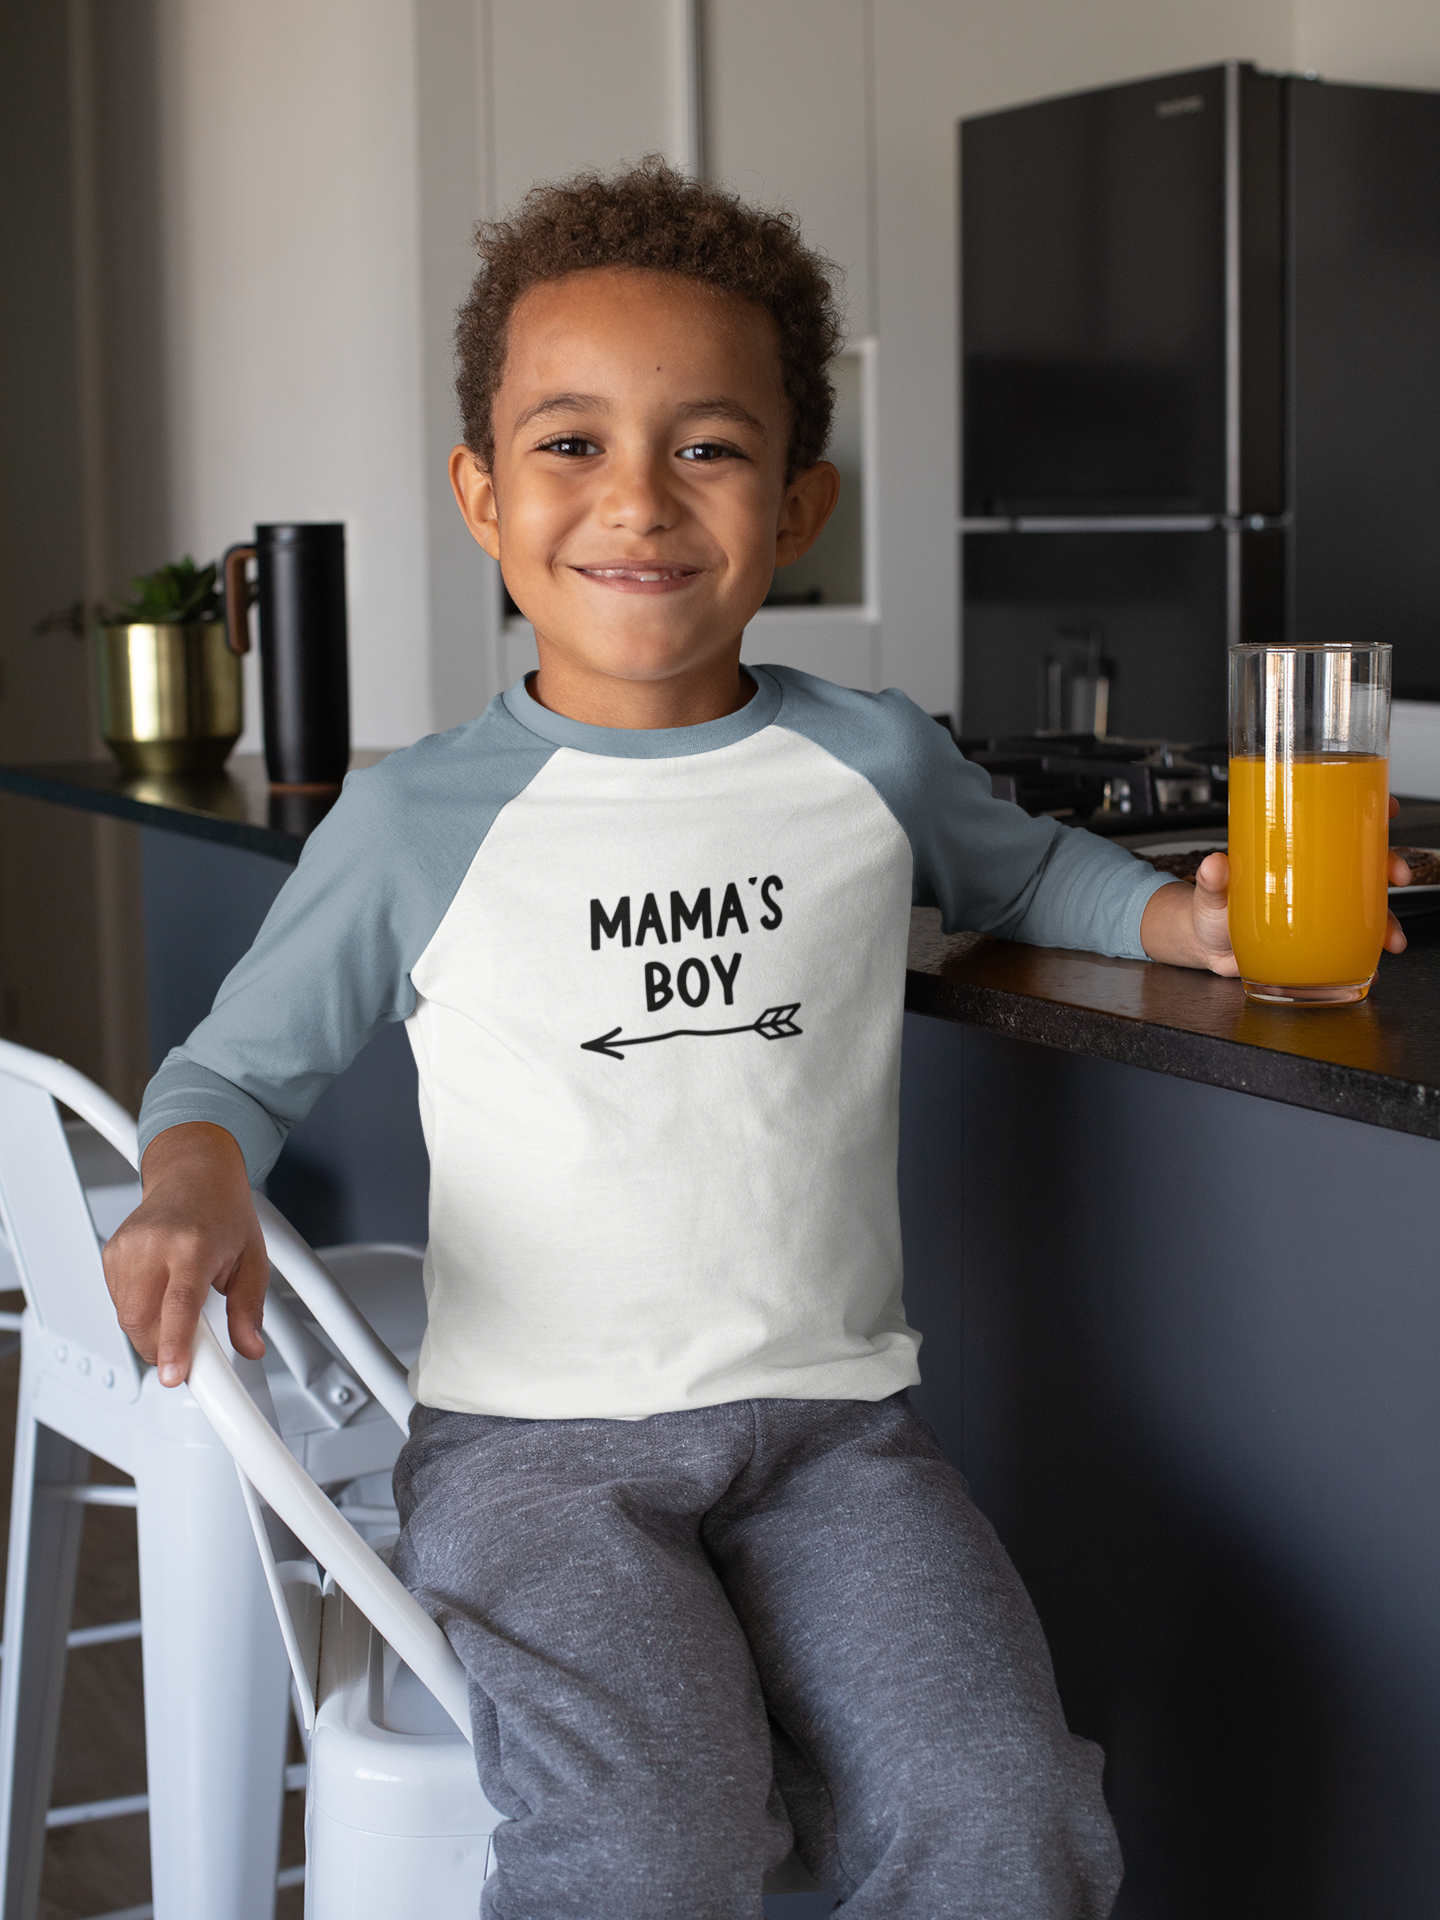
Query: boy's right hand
194	1230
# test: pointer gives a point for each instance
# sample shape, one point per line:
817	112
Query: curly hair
653	217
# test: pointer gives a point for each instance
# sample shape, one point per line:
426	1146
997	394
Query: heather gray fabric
686	1633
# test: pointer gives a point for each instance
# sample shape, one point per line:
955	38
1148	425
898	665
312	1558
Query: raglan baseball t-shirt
653	981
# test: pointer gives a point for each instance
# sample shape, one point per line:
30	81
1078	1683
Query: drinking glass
1309	820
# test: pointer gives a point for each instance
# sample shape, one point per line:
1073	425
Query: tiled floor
104	1867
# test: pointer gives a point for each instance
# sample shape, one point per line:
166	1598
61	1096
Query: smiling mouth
641	579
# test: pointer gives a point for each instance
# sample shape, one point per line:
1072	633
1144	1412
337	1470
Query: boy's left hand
1190	926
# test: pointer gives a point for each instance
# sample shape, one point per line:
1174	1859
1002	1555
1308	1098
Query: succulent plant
171	596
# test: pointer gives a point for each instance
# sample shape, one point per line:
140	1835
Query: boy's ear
475	495
809	502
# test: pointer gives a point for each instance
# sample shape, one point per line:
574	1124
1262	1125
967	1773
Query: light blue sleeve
331	964
988	865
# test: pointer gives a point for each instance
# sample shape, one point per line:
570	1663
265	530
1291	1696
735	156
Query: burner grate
1110	786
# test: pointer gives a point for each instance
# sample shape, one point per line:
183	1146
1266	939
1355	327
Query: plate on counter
1420	896
1178	858
1213	845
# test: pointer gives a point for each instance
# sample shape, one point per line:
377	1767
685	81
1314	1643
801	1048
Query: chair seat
392	1801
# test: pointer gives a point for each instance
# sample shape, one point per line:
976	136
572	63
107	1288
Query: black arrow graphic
776	1023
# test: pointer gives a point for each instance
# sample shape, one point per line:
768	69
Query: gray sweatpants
693	1637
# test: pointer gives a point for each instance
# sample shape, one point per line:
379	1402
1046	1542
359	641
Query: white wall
451	69
1392	43
325	160
293	308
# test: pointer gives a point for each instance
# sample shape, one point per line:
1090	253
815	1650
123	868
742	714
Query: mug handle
238	595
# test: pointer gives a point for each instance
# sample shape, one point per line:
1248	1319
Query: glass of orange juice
1309	820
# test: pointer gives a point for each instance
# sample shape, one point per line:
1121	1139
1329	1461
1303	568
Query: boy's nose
637	497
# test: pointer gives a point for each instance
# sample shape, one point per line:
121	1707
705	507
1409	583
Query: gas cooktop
1108	785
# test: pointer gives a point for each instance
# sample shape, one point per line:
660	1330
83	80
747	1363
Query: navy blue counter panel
1185	1344
356	1168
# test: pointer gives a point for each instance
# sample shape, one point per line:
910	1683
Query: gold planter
171	697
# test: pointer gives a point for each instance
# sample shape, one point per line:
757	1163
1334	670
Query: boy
646	922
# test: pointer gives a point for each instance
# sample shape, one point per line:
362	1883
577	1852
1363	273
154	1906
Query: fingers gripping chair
217	1679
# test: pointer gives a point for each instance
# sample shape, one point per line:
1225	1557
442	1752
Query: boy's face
638	503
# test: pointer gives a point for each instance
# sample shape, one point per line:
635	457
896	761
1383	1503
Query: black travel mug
304	662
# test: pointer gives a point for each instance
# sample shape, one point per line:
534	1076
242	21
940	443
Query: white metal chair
393	1804
216	1676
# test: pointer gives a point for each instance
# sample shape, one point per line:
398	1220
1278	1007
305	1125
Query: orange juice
1309	842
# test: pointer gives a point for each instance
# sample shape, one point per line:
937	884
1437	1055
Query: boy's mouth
641	579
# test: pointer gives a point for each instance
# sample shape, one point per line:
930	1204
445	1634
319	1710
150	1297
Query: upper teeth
631	573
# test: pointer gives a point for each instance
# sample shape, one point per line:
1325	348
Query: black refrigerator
1201	393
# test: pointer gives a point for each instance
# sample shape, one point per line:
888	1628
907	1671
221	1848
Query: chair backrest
47	1222
58	1256
45	1212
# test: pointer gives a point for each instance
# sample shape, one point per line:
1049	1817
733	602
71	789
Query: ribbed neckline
650	743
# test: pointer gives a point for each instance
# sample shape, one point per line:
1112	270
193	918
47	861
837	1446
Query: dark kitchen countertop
236	807
1378	1062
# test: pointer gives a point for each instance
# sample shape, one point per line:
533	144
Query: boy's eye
707	450
572	445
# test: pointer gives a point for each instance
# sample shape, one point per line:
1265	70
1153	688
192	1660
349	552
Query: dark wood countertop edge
144	813
1350	1093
